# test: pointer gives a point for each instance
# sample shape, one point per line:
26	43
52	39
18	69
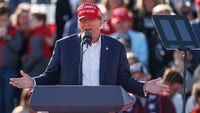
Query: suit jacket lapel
76	47
103	58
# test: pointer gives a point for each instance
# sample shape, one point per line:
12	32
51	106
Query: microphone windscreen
87	37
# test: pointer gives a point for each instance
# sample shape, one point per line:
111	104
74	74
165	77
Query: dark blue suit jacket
114	68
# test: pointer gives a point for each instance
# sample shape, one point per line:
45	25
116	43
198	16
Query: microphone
87	38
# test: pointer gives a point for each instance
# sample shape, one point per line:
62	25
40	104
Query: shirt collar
98	42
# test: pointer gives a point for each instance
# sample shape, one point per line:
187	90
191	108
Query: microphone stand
184	76
86	38
184	79
80	64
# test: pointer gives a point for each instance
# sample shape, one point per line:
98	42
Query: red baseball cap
198	2
120	14
89	10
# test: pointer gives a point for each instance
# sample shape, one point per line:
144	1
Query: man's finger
23	73
13	84
159	81
16	84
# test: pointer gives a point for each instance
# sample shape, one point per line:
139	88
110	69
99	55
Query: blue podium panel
80	99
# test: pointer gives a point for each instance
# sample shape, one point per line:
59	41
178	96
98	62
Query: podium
80	99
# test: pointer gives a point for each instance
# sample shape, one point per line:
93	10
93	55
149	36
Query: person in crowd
140	73
109	6
121	20
132	59
20	19
142	12
104	60
142	15
162	9
178	64
10	47
174	79
172	103
183	7
63	13
157	52
196	95
39	50
190	102
124	40
186	9
129	4
127	43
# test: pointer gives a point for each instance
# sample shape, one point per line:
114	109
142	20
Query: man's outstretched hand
23	82
156	86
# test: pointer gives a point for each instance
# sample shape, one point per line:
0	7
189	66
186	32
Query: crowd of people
27	42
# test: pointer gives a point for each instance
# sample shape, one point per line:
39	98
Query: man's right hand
23	82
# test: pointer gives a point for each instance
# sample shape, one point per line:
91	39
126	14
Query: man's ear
101	21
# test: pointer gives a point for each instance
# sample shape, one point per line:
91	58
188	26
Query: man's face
4	20
122	26
174	88
92	25
32	22
23	20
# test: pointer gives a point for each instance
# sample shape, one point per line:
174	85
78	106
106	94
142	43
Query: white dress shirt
91	64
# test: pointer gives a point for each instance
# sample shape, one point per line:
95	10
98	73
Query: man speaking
103	61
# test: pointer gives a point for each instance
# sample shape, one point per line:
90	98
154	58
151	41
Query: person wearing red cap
71	26
104	60
121	20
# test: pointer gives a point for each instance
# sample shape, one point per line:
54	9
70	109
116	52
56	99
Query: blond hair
196	91
22	7
162	8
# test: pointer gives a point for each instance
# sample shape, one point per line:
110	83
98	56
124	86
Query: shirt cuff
145	92
34	84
